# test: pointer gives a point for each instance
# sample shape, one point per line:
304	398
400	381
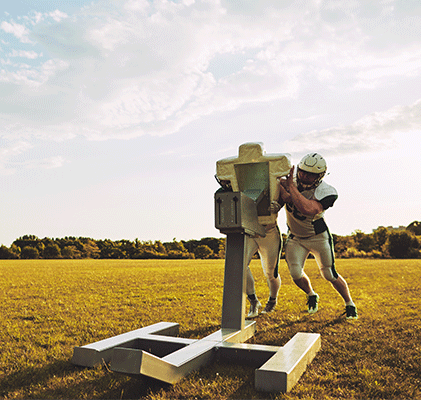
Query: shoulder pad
324	190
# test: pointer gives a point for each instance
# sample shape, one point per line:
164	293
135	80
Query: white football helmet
313	163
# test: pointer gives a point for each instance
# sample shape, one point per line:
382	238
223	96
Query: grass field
48	307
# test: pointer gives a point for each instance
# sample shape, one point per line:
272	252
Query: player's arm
303	205
283	198
284	194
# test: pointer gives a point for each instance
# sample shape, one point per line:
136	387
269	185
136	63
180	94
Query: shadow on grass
272	330
23	379
63	380
312	323
201	332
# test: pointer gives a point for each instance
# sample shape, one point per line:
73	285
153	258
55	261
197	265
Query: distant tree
380	236
30	237
217	245
363	242
41	247
7	254
26	240
126	247
52	251
160	248
110	249
415	228
175	245
403	244
149	250
88	248
29	252
179	255
176	249
71	252
16	250
203	252
342	243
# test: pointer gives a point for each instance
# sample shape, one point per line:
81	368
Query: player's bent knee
328	274
296	272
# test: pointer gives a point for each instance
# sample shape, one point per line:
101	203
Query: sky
114	113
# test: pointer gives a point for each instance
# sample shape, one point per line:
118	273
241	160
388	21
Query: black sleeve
328	201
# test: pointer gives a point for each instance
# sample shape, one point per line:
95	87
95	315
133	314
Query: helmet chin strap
303	186
308	186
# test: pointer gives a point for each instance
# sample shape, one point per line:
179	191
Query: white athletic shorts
269	249
321	246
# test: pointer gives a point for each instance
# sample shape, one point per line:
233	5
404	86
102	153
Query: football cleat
351	312
270	306
313	303
254	308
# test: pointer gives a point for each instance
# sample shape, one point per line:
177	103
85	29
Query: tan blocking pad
249	153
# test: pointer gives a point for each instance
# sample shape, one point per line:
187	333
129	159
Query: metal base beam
283	370
92	354
147	352
176	365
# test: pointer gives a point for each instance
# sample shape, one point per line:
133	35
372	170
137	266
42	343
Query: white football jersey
304	226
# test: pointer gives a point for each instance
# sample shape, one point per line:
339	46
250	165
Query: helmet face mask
310	171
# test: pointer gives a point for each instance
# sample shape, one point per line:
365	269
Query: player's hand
283	183
274	207
290	178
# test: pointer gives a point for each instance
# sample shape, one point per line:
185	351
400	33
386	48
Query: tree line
32	247
382	242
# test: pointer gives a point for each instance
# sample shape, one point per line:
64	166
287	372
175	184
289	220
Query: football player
307	197
269	249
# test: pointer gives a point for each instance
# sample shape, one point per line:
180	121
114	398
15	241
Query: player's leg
322	249
250	288
270	251
295	256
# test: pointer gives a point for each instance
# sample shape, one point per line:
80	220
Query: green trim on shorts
275	272
332	250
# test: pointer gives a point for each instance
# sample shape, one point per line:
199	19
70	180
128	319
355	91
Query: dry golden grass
48	307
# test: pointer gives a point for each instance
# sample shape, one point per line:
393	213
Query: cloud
146	71
14	155
19	31
372	133
24	54
57	15
45	163
126	68
25	78
9	150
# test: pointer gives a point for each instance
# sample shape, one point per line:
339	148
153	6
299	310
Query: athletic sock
252	297
350	303
272	298
312	293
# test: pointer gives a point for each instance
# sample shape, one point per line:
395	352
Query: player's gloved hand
274	207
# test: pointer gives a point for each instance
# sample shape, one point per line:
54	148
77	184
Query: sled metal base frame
155	351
